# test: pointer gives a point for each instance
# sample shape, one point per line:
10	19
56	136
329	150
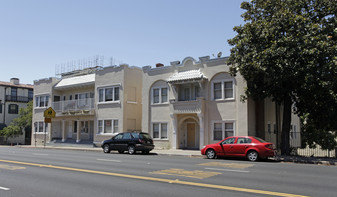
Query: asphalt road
31	172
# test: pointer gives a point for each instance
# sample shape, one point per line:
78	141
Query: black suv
130	142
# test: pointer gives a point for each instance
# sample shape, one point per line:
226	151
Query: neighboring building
13	97
91	104
193	103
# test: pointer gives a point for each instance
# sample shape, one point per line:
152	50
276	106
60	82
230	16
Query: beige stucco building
189	104
91	105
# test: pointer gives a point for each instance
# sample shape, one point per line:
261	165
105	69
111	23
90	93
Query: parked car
130	142
250	147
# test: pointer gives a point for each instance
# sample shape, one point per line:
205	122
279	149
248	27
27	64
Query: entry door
191	135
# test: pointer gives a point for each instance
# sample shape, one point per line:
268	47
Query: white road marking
117	161
226	170
40	154
4	188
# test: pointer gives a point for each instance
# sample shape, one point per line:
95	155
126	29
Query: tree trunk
285	145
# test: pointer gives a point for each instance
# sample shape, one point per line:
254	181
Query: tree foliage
18	124
286	51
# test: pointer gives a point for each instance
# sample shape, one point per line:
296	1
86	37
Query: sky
42	38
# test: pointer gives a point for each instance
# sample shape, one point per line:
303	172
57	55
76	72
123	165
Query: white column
174	131
202	130
64	131
78	134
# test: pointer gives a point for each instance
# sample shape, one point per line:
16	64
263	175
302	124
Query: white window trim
44	128
39	96
162	139
113	94
223	122
160	95
223	90
112	127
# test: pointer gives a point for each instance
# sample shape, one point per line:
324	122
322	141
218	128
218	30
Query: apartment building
91	105
13	97
189	104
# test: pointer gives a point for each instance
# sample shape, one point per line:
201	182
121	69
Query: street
34	172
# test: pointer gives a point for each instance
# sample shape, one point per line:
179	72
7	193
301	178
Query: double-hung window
107	126
223	130
13	109
108	94
41	101
159	130
40	127
159	95
223	90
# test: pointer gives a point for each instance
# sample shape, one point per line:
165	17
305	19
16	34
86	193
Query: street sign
47	120
49	113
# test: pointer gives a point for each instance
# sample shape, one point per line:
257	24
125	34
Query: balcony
74	107
186	107
22	99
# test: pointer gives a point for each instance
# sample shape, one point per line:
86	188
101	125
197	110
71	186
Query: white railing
71	107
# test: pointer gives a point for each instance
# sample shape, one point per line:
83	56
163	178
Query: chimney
159	65
15	81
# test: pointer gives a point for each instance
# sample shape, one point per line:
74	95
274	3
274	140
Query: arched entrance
188	132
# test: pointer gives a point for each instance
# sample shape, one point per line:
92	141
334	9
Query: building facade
91	105
185	105
13	97
193	103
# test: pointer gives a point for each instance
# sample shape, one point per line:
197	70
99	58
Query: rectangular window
228	89
107	126
164	95
217	132
223	130
0	108
40	127
156	95
156	130
159	95
223	90
108	94
13	109
217	91
229	129
30	95
84	126
41	101
159	131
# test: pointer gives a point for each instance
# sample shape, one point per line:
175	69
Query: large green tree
286	50
20	123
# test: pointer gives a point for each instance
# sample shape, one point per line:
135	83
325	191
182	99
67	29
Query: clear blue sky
38	35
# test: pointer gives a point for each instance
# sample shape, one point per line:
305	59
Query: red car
250	147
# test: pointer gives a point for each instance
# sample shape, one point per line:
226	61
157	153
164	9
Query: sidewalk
191	153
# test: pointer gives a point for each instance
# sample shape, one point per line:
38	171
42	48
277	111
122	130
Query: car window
244	140
118	137
127	136
260	140
229	141
135	135
145	136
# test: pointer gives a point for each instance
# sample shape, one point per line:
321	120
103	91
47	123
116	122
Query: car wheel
131	149
210	153
252	155
106	148
121	151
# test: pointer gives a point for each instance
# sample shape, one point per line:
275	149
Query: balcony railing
74	107
23	99
192	106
